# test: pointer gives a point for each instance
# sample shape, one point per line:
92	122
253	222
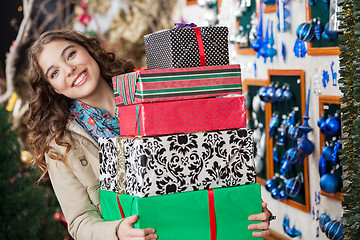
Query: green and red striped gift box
176	84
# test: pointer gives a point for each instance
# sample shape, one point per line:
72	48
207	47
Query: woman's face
70	69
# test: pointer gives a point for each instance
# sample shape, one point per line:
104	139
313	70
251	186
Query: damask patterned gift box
220	213
176	84
149	166
194	115
187	47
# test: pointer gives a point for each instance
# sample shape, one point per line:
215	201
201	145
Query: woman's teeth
80	78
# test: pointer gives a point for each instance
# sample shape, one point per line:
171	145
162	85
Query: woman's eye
53	74
71	55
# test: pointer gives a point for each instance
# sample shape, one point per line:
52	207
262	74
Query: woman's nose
70	69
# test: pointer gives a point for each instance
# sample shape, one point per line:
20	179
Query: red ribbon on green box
190	215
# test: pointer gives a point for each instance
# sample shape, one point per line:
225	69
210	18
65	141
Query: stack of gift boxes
184	160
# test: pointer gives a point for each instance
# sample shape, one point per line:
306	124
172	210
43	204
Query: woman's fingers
260	226
127	231
264	216
261	234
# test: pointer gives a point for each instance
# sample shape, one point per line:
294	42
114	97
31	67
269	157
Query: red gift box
195	115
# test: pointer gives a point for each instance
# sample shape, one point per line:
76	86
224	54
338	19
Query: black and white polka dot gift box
184	47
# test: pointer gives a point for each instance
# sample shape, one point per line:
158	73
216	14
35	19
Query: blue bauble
324	219
262	94
287	95
294	132
331	34
285	167
332	126
304	147
292	187
334	230
283	195
279	94
270	184
325	37
275	193
324	167
256	44
327	152
268	1
286	13
305	32
329	183
320	121
271	94
286	26
292	155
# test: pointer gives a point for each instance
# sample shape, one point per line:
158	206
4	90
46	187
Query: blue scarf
96	122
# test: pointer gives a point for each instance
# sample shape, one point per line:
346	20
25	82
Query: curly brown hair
49	111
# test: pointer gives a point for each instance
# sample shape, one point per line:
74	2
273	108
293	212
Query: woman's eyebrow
62	55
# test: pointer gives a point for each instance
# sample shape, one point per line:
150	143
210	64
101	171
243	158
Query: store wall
305	222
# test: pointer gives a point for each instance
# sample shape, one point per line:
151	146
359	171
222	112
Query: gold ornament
25	157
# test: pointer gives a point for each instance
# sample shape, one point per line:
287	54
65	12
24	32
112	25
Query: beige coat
77	187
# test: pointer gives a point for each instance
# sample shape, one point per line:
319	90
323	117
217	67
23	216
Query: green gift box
197	215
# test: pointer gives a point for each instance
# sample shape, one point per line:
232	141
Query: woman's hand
265	217
127	231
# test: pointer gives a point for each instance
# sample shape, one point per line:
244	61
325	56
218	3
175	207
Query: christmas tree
28	210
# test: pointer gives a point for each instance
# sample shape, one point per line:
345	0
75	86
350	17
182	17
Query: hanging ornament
264	47
285	167
270	184
273	124
263	94
305	32
271	93
323	166
323	220
329	183
291	232
283	13
258	42
271	51
321	124
287	93
293	156
304	146
331	34
327	152
326	4
318	29
282	130
293	187
311	2
335	154
283	195
299	48
334	230
332	126
275	193
279	93
283	51
275	156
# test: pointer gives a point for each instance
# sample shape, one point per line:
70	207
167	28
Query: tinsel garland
349	83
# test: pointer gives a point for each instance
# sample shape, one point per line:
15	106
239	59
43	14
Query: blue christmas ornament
320	121
334	230
285	167
326	4
323	220
287	94
276	156
294	132
283	51
332	126
305	32
262	94
286	26
311	2
299	48
331	34
270	184
283	195
327	152
334	156
329	183
324	167
318	29
292	187
304	146
292	155
286	13
291	232
325	36
279	93
271	94
271	51
264	47
267	2
275	193
273	124
258	42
